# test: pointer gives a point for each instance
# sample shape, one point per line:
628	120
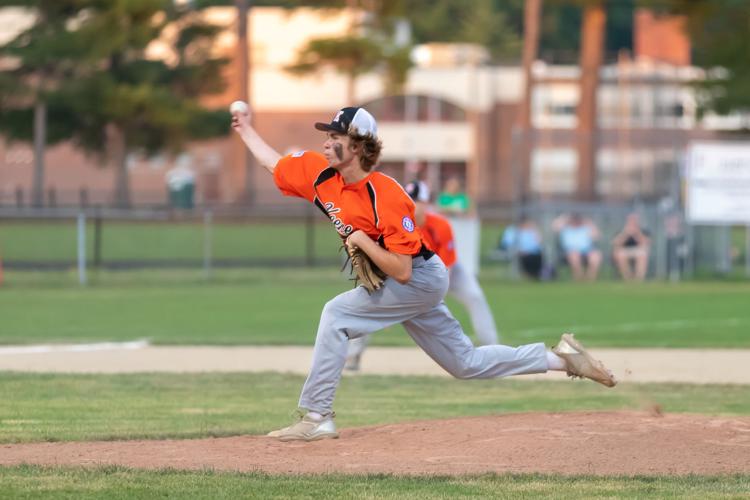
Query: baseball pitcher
375	218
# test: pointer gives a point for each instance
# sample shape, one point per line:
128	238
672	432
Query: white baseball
238	107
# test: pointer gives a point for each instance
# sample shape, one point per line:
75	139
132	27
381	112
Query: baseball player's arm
265	154
395	265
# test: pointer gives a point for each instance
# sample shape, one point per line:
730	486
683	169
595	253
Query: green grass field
282	307
47	407
269	241
151	406
163	241
120	483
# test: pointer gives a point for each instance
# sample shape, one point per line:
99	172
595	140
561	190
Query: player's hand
241	121
357	238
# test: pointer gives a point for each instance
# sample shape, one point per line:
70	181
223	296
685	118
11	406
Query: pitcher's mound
570	443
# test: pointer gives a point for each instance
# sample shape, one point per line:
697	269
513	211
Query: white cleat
579	363
308	429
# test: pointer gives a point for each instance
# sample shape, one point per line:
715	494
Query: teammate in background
452	200
371	211
463	285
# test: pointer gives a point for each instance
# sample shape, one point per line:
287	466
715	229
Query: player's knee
330	315
462	371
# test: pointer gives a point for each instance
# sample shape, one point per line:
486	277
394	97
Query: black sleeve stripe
319	204
324	175
373	200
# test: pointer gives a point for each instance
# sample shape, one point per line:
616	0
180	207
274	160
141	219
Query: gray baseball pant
464	286
419	305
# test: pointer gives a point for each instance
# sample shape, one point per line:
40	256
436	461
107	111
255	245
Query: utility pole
523	130
247	186
592	48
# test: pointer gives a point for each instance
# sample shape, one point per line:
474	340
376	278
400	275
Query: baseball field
146	432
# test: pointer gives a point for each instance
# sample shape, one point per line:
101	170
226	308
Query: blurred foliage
86	59
351	55
718	33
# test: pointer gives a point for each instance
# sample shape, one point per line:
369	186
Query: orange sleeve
440	234
400	234
295	174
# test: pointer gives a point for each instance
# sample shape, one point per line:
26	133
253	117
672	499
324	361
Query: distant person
462	284
631	248
578	236
525	242
453	200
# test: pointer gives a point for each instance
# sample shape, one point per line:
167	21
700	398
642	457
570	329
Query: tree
131	102
352	55
37	60
120	100
373	44
592	48
495	24
718	33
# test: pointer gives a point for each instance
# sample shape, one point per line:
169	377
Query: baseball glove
366	273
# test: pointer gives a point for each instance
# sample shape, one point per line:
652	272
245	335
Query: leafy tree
367	47
352	55
122	101
35	62
493	23
718	33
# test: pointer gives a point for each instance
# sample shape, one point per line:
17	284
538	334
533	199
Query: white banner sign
718	183
466	237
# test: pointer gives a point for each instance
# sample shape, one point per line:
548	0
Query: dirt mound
571	443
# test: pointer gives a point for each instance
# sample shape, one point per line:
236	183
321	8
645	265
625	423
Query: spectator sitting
630	250
577	238
525	241
453	201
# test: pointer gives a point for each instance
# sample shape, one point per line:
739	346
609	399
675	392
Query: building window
553	171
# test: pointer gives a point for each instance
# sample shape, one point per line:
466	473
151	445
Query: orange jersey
438	235
377	204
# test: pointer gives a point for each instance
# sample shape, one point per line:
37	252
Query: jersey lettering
343	229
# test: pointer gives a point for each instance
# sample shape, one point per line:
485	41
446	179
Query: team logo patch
408	224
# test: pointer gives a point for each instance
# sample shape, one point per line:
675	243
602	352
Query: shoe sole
317	437
609	380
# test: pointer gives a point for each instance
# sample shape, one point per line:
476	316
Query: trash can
181	187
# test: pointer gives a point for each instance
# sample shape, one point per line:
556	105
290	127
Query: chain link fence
298	235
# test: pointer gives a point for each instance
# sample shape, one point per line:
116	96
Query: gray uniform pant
464	286
419	306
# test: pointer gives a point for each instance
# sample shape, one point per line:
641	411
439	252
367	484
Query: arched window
414	108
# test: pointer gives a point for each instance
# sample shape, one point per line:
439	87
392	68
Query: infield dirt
596	443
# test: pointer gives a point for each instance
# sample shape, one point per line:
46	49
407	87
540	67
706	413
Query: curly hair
370	148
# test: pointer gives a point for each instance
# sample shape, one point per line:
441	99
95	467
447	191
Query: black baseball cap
359	118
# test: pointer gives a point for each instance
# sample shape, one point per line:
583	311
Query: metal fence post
309	237
97	239
207	244
82	248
